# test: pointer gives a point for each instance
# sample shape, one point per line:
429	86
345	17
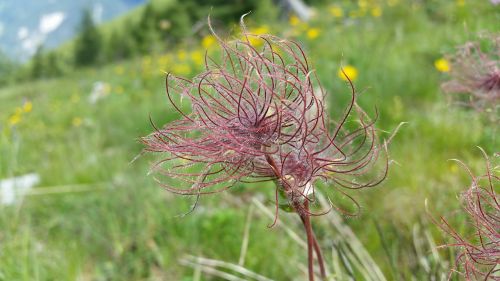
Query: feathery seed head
475	72
258	114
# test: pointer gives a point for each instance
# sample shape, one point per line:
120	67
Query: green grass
96	216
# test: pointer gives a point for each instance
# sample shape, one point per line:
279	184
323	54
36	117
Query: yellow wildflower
336	11
14	119
181	69
348	71
363	4
208	41
442	65
313	33
198	57
376	11
28	106
255	40
454	168
77	121
392	2
294	20
260	30
460	3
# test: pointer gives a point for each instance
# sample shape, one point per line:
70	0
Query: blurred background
79	81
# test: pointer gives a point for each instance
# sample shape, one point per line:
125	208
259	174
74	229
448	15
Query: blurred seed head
478	255
475	74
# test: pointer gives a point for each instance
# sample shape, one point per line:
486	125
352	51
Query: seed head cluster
258	114
475	74
478	255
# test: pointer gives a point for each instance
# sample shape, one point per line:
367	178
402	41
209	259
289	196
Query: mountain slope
26	24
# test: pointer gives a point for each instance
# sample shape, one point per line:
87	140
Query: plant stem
317	249
321	263
310	241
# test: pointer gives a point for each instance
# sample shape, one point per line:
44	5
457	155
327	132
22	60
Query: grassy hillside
15	16
98	216
121	24
151	28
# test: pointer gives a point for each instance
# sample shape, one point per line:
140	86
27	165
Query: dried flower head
475	72
258	114
478	255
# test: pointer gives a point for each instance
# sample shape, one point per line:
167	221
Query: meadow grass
98	216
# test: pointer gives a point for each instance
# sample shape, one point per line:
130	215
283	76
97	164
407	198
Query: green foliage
53	65
145	32
88	45
7	69
119	46
220	9
45	64
37	63
265	11
175	22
